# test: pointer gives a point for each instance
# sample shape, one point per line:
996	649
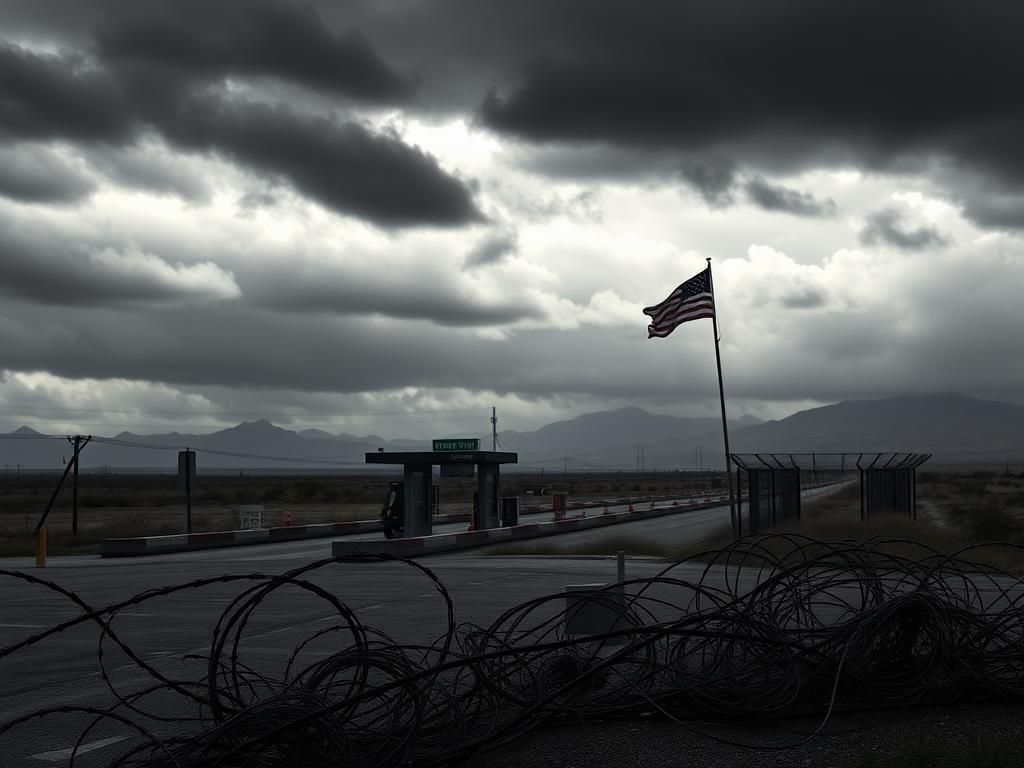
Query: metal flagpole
725	426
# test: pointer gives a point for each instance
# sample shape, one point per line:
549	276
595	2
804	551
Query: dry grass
16	537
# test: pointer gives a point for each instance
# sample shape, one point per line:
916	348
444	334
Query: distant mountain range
955	428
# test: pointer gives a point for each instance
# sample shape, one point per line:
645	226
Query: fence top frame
886	460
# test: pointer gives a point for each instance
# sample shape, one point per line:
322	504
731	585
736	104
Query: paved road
674	530
64	669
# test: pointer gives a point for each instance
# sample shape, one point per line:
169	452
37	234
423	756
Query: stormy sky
391	215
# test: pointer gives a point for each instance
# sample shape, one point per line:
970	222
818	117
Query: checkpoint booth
456	458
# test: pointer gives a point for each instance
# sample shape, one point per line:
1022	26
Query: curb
429	545
188	542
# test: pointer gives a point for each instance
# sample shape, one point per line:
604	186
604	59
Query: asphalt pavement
67	669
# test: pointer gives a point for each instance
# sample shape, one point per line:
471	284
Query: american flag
690	301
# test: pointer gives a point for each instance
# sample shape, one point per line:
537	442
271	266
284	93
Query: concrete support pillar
418	491
487	512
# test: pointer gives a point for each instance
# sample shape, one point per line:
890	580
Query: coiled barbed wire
739	632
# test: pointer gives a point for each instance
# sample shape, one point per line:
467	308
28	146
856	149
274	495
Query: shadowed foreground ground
948	737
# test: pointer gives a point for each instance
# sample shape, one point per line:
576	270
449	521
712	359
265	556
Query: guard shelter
888	483
417	482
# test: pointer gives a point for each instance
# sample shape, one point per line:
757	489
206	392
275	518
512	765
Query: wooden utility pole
188	494
79	442
186	469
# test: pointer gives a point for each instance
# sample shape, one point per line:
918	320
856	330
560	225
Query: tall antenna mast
494	428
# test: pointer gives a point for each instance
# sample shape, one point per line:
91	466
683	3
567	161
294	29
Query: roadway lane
64	670
672	530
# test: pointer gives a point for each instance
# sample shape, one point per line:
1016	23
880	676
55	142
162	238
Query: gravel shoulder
939	737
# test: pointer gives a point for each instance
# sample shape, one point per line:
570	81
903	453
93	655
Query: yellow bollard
41	548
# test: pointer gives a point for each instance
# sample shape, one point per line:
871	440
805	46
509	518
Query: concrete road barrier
186	542
428	545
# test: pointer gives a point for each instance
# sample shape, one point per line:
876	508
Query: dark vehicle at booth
391	515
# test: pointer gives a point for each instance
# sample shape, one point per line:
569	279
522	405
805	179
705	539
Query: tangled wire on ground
821	628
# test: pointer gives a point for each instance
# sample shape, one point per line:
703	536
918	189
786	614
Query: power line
14	436
235	454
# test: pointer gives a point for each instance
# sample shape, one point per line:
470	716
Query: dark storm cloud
62	96
772	197
137	169
437	307
714	181
245	347
34	174
686	74
240	346
254	349
492	249
409	292
51	268
993	209
887	227
60	22
342	164
807	298
782	87
250	37
989	202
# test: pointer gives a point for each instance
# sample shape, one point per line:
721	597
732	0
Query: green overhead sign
458	444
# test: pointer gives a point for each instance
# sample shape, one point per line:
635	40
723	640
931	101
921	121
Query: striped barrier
185	542
428	545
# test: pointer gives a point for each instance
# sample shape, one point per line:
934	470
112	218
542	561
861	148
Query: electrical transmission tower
641	458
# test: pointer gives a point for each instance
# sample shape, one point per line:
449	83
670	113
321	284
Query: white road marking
59	755
339	619
492	581
23	626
